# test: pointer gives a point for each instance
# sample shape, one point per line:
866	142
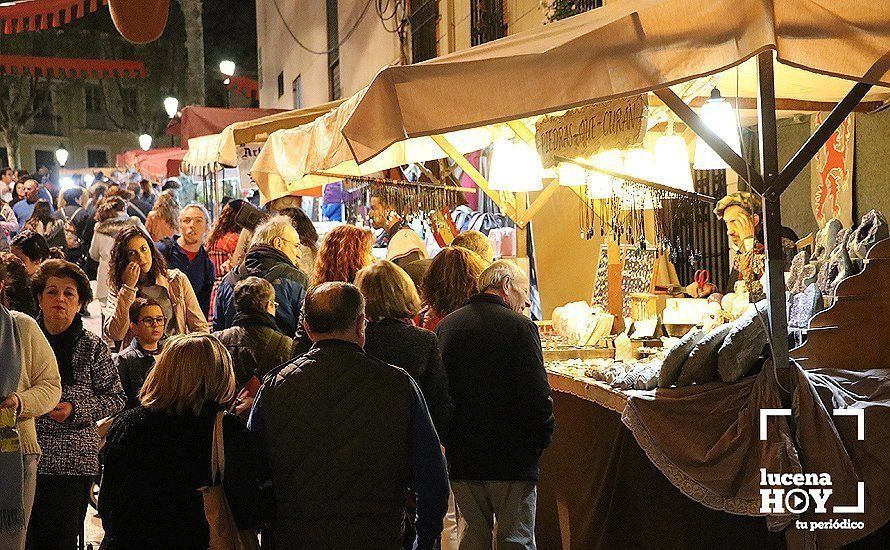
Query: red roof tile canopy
35	15
66	67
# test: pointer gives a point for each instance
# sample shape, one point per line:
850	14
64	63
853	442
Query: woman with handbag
158	489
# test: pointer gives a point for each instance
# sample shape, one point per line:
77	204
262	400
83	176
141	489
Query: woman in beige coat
38	390
138	269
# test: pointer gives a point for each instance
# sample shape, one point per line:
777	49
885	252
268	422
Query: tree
192	10
18	105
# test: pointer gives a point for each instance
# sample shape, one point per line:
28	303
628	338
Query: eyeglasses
153	321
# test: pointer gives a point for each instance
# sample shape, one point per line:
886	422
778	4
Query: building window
486	21
424	16
560	9
335	92
297	89
130	101
281	84
97	158
45	120
93	107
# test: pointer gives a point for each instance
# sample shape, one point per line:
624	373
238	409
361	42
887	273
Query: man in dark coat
272	256
503	413
254	341
186	253
341	437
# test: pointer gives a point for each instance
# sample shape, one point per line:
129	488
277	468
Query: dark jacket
200	271
155	464
416	350
503	413
133	364
268	263
342	437
256	345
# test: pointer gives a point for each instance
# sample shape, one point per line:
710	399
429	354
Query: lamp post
171	105
61	155
227	68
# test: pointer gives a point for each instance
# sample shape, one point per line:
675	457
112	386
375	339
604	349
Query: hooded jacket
100	248
267	263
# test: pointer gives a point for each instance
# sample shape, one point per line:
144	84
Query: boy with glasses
147	323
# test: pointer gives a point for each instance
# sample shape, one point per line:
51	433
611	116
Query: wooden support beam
782	104
730	157
772	220
522	131
474	174
815	142
539	202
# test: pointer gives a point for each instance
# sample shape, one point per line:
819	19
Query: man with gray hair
342	436
186	252
272	256
503	413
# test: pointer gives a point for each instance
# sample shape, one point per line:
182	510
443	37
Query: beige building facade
302	62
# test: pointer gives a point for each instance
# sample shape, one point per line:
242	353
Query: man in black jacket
503	413
342	436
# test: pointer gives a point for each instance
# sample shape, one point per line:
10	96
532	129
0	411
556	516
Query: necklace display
405	198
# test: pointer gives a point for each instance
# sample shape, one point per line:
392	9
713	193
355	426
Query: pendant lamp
718	115
571	175
672	162
639	163
515	167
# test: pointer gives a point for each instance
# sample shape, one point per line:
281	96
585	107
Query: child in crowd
147	323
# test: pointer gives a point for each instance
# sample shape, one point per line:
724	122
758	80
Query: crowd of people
325	398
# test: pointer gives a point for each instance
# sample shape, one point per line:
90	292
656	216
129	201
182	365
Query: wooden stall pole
614	275
772	220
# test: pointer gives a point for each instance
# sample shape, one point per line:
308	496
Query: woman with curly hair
344	251
163	220
16	285
137	269
448	283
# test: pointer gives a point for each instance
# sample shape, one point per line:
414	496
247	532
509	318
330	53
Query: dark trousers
60	504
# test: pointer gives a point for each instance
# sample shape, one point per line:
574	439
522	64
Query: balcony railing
486	21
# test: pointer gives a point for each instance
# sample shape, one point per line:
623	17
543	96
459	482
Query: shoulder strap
217	451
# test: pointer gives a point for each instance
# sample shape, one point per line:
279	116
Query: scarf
63	345
12	510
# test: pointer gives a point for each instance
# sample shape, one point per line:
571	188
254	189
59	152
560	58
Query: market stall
701	434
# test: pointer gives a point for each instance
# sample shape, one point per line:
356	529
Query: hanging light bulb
571	175
171	106
515	167
62	155
718	115
145	142
599	185
639	163
672	162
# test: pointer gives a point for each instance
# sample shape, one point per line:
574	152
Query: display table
599	490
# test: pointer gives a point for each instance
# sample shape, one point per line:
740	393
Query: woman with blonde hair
163	220
448	283
157	456
391	301
344	251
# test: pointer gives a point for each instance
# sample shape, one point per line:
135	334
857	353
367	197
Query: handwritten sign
585	131
247	154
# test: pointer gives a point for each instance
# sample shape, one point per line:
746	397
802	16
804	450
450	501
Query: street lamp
227	68
61	155
171	105
145	142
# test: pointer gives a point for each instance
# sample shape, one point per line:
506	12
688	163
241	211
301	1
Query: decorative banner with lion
832	174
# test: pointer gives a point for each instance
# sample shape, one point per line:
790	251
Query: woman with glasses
91	391
139	271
